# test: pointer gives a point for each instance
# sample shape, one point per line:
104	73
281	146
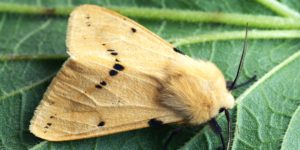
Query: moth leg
172	134
229	83
218	130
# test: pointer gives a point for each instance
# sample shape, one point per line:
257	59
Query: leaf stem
33	57
33	10
236	35
259	21
279	8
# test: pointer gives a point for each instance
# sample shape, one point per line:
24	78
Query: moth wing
108	85
93	30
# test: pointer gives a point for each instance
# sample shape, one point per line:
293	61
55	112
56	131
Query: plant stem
258	21
34	10
33	57
279	8
237	35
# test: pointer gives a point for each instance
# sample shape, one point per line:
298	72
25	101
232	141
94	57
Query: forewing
109	84
93	30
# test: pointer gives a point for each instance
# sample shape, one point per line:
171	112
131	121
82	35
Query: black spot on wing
118	67
117	60
48	125
133	30
113	72
154	122
51	117
114	53
98	86
177	50
103	83
51	102
101	124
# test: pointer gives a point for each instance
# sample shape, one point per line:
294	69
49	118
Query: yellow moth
120	77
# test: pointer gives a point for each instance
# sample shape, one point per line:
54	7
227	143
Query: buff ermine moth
120	77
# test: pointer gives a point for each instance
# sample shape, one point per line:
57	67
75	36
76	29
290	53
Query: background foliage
32	49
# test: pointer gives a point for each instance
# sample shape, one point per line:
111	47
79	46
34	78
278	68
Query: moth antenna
218	130
252	79
241	60
229	123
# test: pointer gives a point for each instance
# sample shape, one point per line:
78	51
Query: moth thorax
196	90
186	100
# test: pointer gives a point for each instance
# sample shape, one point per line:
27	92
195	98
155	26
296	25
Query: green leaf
292	136
32	49
265	109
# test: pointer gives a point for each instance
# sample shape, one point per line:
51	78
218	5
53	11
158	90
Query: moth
120	76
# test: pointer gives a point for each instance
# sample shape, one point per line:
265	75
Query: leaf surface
32	49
